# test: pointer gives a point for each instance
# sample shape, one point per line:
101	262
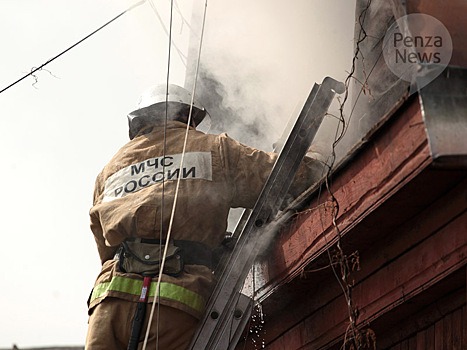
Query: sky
61	126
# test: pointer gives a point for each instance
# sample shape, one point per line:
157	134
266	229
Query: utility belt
144	256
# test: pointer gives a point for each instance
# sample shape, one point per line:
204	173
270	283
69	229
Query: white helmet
160	101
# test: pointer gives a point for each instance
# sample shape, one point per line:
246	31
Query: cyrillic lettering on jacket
131	179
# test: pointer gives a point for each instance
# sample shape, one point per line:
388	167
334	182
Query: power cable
172	215
342	259
184	20
183	58
162	255
72	46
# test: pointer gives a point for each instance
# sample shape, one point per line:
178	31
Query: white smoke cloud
260	60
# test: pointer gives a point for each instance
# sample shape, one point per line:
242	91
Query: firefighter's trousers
111	321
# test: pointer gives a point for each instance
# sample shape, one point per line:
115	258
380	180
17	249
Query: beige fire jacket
131	200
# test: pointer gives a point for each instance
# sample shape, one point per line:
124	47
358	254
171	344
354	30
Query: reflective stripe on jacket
131	286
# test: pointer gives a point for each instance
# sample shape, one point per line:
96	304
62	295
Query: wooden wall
406	220
447	333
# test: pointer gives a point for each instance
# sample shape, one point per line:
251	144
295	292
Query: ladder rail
262	224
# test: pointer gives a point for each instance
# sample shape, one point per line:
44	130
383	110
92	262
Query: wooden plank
414	271
418	314
293	338
421	340
326	324
278	344
439	331
447	336
430	338
290	340
457	329
423	225
412	341
464	325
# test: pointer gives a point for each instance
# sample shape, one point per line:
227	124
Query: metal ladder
228	310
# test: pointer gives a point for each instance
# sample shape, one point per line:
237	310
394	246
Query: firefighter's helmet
161	101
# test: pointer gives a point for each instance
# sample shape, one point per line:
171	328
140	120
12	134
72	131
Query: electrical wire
162	257
164	152
172	215
31	73
168	32
184	21
342	259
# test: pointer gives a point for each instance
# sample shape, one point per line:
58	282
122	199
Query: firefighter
131	215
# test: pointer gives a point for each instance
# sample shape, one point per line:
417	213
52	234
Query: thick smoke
235	96
257	68
237	109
